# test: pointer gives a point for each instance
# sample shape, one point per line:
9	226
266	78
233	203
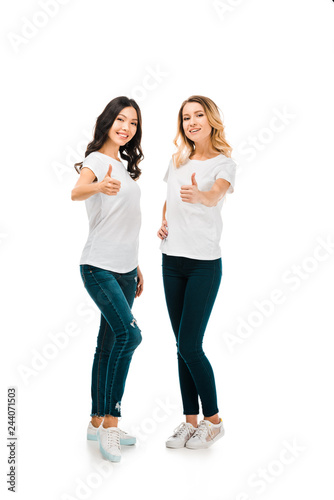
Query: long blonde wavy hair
185	147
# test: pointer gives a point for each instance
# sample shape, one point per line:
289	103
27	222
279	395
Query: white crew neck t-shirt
114	221
194	230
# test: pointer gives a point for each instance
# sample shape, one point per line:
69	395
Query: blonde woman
199	175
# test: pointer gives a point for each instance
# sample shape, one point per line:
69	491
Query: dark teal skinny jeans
118	335
191	287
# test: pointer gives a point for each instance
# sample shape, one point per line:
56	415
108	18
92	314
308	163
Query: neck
110	149
204	149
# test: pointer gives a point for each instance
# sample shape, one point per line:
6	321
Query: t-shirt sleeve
167	171
96	166
227	170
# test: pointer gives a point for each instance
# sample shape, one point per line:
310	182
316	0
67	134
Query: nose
125	126
192	121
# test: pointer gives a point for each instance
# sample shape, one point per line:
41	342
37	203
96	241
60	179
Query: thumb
109	171
193	180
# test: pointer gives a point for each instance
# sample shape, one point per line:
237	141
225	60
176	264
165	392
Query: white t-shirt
114	221
194	230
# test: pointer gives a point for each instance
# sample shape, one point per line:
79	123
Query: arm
85	187
163	231
216	193
140	283
164	208
191	194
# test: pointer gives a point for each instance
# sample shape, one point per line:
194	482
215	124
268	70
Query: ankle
192	419
96	421
214	419
110	421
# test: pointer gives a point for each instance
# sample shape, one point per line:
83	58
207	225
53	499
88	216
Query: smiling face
124	126
195	122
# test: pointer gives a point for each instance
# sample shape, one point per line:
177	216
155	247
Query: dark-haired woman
109	262
199	175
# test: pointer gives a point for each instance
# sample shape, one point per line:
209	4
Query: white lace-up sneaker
206	434
125	438
91	432
181	435
109	443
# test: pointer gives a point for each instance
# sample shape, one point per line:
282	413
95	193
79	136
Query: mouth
122	136
194	130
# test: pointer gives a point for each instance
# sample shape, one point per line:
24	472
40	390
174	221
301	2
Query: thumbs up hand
191	193
109	171
109	185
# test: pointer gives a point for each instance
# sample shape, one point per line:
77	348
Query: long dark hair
131	152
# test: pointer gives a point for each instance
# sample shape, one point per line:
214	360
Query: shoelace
202	430
182	430
113	439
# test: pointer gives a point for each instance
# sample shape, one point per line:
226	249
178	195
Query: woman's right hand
109	185
163	231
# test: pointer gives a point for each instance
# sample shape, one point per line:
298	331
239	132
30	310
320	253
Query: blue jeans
191	287
118	336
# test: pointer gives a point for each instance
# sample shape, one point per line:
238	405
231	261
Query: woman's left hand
140	283
191	194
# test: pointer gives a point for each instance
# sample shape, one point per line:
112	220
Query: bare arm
140	283
216	193
85	187
163	231
191	194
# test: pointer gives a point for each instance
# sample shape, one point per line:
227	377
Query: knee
135	336
103	350
188	353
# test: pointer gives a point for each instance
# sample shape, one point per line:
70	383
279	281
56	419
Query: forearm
140	282
163	231
164	211
210	198
83	192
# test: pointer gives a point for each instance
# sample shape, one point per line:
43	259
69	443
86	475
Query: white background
257	59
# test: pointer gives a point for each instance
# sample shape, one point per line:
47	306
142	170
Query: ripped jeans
118	336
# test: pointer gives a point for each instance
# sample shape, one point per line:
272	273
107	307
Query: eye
185	118
121	119
134	123
200	114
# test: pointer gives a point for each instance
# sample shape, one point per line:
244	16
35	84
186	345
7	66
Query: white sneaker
206	434
109	443
91	432
181	435
125	438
